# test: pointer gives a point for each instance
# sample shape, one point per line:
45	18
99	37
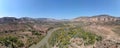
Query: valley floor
44	40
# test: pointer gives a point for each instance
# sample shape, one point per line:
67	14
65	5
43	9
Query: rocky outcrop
107	44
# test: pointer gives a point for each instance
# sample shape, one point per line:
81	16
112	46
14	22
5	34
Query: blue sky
59	9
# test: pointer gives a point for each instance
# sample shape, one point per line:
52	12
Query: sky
58	9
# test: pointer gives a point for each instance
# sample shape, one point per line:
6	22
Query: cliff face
98	18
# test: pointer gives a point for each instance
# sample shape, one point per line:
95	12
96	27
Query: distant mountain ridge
98	18
25	19
26	23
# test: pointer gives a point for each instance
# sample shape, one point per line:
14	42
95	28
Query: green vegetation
12	42
34	40
34	32
20	40
61	37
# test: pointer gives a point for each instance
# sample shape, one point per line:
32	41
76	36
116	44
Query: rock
107	44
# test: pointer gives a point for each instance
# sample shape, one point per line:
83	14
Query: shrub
12	41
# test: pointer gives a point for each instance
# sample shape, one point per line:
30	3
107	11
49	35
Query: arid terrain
100	31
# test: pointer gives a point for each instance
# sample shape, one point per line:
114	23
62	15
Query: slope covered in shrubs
61	38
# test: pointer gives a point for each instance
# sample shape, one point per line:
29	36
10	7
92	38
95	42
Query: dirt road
44	41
